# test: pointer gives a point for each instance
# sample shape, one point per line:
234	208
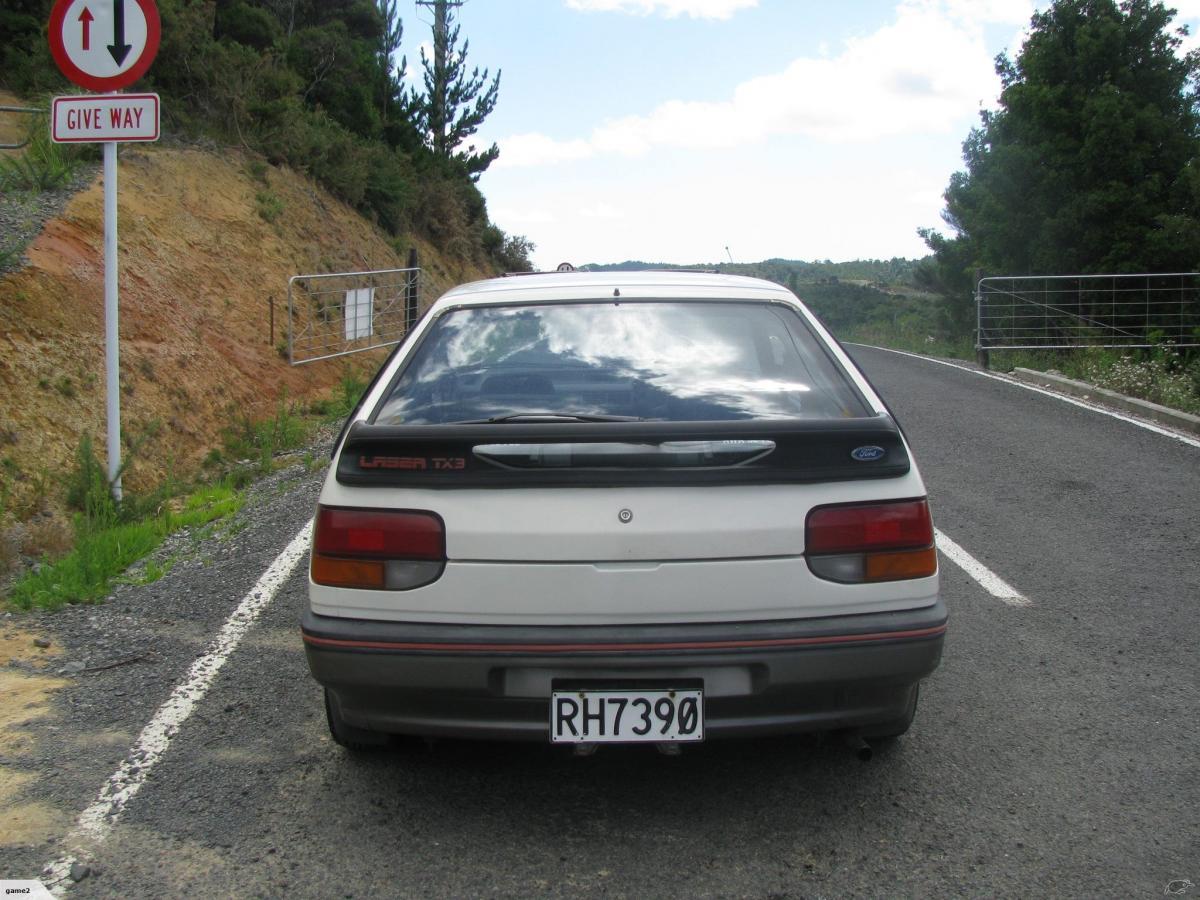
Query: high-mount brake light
377	549
865	542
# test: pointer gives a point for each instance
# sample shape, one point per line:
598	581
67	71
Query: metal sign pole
106	117
112	349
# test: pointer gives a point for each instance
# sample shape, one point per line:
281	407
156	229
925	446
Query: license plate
593	717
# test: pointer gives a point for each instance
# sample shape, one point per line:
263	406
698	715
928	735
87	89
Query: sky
698	131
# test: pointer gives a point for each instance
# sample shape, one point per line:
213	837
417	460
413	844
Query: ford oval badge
869	453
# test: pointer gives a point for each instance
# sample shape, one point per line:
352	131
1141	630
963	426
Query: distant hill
857	299
631	265
896	271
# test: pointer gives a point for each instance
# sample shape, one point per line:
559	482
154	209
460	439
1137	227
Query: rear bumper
495	681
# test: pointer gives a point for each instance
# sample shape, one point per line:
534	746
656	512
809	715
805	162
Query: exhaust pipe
855	742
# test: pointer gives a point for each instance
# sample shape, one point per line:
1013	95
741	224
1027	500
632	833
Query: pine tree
454	104
391	96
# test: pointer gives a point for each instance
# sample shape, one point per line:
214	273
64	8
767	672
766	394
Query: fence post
981	352
411	296
271	304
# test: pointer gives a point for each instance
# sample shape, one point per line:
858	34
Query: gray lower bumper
494	682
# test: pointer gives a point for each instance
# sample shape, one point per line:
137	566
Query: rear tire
895	727
350	736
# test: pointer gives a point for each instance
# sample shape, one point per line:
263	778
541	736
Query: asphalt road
1054	753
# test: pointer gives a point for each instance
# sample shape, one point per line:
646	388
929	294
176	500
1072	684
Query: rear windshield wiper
550	417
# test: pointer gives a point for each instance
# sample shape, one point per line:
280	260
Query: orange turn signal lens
901	564
359	573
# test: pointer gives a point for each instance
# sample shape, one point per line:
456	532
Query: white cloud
836	210
920	74
414	76
522	217
601	210
1001	12
1187	9
696	9
1189	15
537	150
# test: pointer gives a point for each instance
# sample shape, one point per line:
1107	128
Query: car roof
632	286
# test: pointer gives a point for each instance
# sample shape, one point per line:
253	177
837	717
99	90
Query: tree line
316	85
1089	165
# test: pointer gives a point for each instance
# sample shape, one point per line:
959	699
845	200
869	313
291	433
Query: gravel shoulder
107	667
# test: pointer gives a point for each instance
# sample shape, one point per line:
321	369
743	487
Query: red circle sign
104	45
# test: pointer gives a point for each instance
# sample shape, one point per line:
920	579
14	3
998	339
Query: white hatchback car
622	507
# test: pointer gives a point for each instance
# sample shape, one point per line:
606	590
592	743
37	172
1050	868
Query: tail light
871	542
377	549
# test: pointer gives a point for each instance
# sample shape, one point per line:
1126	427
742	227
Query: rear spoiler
612	454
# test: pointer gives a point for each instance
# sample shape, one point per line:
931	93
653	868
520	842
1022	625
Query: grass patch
270	206
109	538
103	550
259	441
9	256
290	428
150	573
911	339
1164	374
44	165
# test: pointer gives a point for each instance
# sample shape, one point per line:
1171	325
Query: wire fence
20	110
1069	311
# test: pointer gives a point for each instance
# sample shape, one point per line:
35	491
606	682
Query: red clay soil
199	268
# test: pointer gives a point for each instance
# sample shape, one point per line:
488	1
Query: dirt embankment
200	266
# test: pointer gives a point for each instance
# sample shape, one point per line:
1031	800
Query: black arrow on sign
118	48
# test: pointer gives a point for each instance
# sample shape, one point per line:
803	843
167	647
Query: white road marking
1149	426
987	579
95	822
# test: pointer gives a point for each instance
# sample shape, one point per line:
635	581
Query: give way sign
104	45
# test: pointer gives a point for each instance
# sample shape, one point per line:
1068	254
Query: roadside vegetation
42	164
885	303
1089	165
900	304
314	86
106	539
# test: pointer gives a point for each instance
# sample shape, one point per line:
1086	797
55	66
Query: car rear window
671	361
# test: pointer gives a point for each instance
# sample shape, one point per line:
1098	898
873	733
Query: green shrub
257	169
352	386
260	441
270	206
88	489
43	166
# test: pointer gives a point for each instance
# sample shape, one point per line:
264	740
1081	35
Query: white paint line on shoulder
95	822
986	578
1140	423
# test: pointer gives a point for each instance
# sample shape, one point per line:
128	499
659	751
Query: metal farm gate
1052	312
21	110
339	313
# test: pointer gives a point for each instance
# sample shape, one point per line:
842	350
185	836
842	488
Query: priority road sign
104	45
94	118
